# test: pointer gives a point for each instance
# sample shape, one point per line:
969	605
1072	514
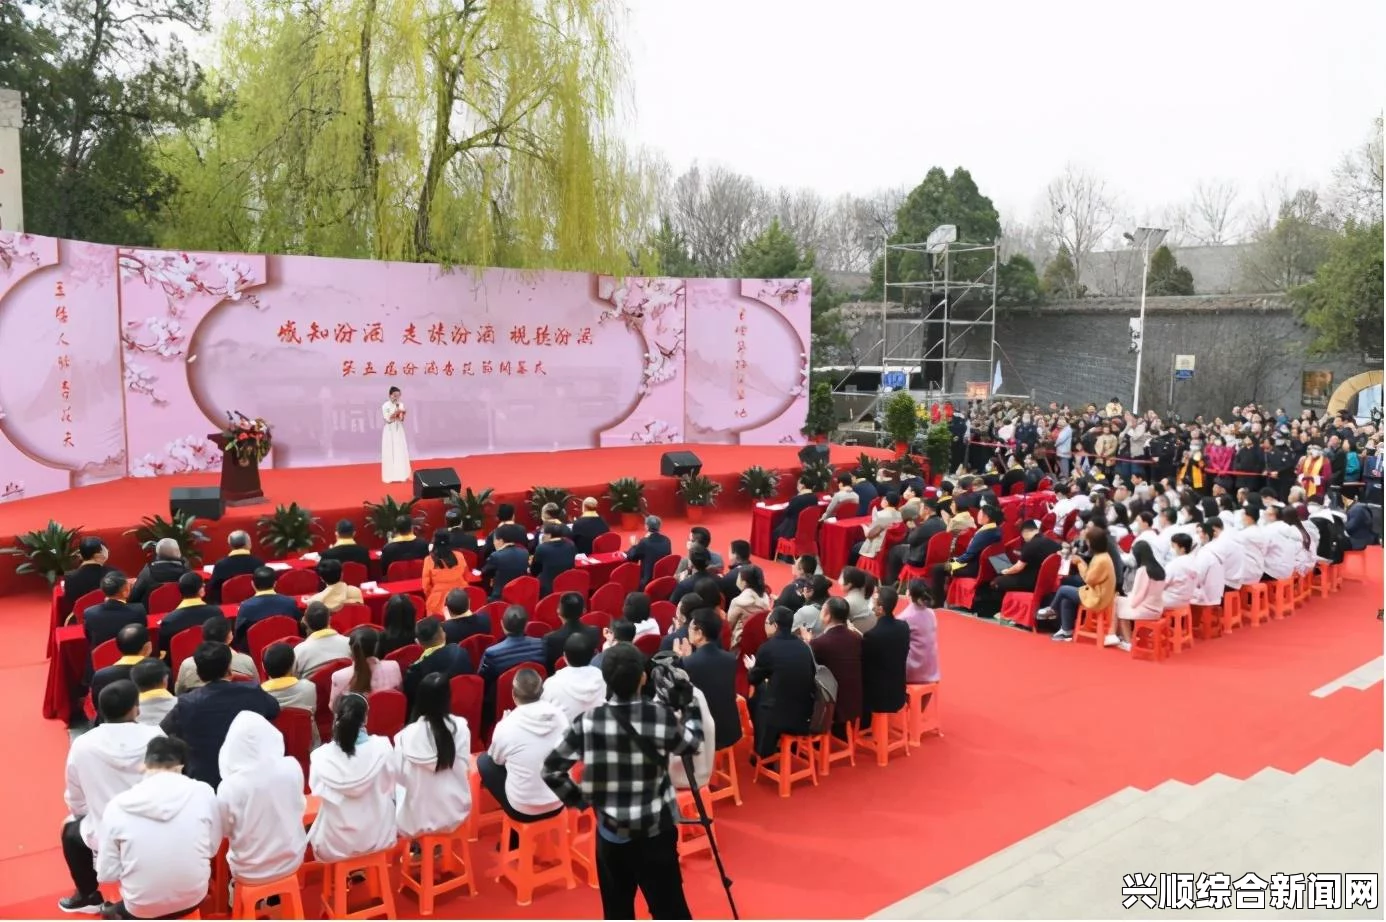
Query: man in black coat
650	549
784	677
588	526
265	603
133	644
570	608
239	561
509	560
103	622
713	671
554	554
804	499
346	550
438	656
87	577
1021	575
202	716
168	565
804	568
915	547
884	650
405	545
191	612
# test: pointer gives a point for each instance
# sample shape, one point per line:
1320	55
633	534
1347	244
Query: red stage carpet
1034	731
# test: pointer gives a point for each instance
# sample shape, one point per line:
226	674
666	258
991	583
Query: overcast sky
855	96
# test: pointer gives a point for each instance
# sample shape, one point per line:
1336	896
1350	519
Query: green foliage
772	255
1342	305
472	506
288	530
539	497
381	516
1017	282
868	467
760	483
822	411
667	249
699	490
182	527
1166	276
938	447
1289	252
626	494
48	552
901	420
817	475
1061	277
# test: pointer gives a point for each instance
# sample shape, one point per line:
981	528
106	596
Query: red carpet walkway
1034	731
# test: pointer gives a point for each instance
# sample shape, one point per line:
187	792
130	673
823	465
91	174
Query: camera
671	685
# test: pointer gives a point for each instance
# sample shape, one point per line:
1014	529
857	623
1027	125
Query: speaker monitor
200	502
435	482
813	454
678	463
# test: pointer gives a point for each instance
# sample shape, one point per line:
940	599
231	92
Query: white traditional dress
394	451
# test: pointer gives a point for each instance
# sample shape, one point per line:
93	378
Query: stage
332	493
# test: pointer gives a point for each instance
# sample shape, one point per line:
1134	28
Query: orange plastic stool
794	762
831	749
1181	634
888	733
1231	610
485	811
1335	570
429	878
542	840
1354	566
1282	598
1256	603
692	837
748	730
336	875
923	706
724	776
1321	580
582	843
1150	639
1303	587
1093	625
1207	621
248	896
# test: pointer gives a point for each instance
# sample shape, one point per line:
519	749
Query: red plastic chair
494	611
663	612
263	633
470	558
523	591
575	580
505	695
627	576
467	692
105	654
354	574
648	644
1019	607
752	634
1016	488
546	612
935	552
537	629
476	598
182	646
893	536
292	641
805	540
661	588
95	597
297	582
962	590
164	598
406	656
349	616
1046	483
665	566
475	646
404	569
237	589
389	710
873	506
610	598
1125	542
322	680
600	619
296	726
606	542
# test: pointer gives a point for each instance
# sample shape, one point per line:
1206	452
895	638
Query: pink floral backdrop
119	362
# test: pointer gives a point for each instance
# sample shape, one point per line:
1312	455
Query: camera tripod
705	821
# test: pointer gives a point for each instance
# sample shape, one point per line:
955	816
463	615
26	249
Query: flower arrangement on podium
246	439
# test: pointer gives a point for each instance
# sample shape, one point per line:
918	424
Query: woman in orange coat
443	571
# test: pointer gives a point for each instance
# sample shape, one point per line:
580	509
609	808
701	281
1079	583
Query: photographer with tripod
625	745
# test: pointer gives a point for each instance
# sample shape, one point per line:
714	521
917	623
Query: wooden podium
240	483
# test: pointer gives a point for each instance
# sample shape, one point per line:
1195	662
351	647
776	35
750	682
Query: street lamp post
1147	238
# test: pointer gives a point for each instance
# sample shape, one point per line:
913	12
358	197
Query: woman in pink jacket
1146	601
1218	458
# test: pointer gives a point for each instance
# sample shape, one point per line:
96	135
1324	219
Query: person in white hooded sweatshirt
578	687
158	839
511	770
103	762
434	770
261	800
355	775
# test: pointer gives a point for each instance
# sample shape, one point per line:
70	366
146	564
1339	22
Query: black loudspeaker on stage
200	502
678	463
435	482
813	454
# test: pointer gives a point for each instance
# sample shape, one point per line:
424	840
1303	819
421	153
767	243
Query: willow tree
455	131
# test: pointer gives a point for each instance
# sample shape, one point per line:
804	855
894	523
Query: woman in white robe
394	451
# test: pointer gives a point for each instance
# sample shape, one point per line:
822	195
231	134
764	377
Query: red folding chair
935	552
105	654
1019	607
546	612
505	685
648	644
388	712
95	597
495	611
893	536
164	598
523	591
537	629
962	590
752	634
297	582
350	616
237	589
661	588
263	633
610	598
1016	488
663	612
404	569
600	619
296	726
476	598
805	540
354	574
182	646
322	681
575	580
606	543
475	646
665	566
627	576
406	656
467	693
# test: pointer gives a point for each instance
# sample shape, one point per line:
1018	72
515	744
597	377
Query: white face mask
1183	518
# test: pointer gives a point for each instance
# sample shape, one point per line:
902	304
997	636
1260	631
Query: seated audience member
151	676
783	675
509	560
203	715
511	769
434	769
505	517
158	839
101	763
750	599
578	687
550	512
399	617
915	548
1211	581
460	537
1282	543
237	562
1097	591
698	561
1145	601
839	649
193	611
215	629
804	498
636	610
1036	549
683	614
1230	553
740	557
346	550
968	563
617	632
710	591
133	644
367	672
513	649
554	554
1181	573
405	545
87	576
1359	527
283	686
857	588
261	800
322	645
356	776
265	603
802	573
844	502
335	592
698	536
885	651
886	515
461	621
571	606
588	526
866	492
439	656
103	621
808	616
166	567
921	666
712	670
649	549
444	570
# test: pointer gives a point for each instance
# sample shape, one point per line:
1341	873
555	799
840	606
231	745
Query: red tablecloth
835	540
764	520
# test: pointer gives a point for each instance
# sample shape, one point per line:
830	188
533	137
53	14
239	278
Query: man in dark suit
1021	575
87	577
103	622
505	515
133	643
783	674
839	649
805	498
588	526
968	563
346	550
438	656
866	492
405	545
460	537
237	562
1359	523
915	548
265	603
191	612
202	716
168	565
507	561
884	651
699	559
554	554
713	670
740	557
461	621
804	568
650	549
570	608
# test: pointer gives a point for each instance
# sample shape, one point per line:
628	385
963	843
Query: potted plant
48	552
817	476
868	468
901	420
288	530
627	497
472	506
181	527
382	516
539	497
760	484
698	492
821	419
938	447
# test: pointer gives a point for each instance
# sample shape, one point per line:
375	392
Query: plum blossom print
17	248
656	432
182	275
181	456
653	308
784	292
140	380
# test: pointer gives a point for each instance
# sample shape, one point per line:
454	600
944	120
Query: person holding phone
1098	589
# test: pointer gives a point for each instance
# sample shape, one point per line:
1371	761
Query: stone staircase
1324	818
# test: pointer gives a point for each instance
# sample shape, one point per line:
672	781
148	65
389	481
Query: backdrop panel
118	361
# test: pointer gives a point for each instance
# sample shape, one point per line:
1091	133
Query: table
765	518
835	540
